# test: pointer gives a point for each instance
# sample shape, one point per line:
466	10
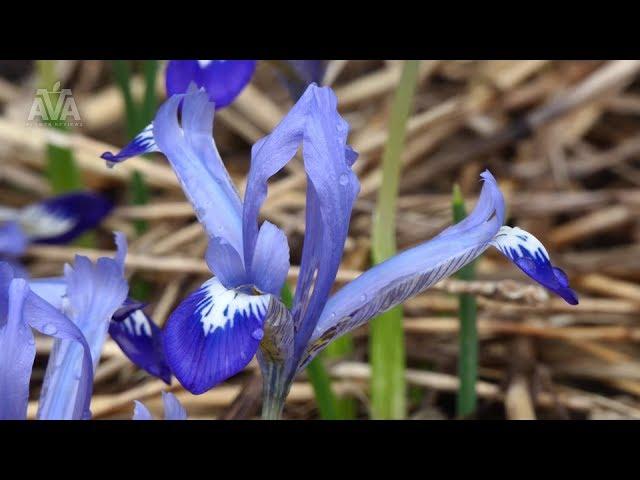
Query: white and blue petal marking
213	334
63	218
140	339
142	143
532	258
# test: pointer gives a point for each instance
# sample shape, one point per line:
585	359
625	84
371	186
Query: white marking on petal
219	306
510	241
204	63
137	324
36	221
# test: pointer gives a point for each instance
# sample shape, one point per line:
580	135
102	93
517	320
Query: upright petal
213	334
197	164
48	320
223	80
52	290
63	218
140	339
410	272
17	352
143	142
332	189
94	293
532	258
270	259
13	240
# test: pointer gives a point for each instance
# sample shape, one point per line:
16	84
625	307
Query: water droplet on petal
32	340
363	298
50	329
344	179
257	334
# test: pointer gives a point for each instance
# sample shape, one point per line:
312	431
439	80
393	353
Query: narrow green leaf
336	350
386	340
468	337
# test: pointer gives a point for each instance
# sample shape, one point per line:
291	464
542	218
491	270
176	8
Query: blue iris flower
223	80
55	220
218	328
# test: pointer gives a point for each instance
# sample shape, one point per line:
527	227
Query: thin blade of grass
468	340
386	341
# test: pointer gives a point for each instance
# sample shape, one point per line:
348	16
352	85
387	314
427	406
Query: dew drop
257	334
363	298
344	179
50	329
32	340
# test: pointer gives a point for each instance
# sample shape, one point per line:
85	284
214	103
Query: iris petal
532	258
410	272
13	241
143	142
140	339
213	334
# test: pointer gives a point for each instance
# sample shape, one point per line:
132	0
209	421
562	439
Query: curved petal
94	293
17	352
13	241
332	189
270	259
140	339
197	164
49	321
408	273
213	334
532	258
223	80
173	410
63	218
143	142
225	263
52	290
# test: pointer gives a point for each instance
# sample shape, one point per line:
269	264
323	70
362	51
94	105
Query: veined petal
408	273
532	258
193	155
63	218
13	241
52	290
332	189
49	321
142	143
94	293
213	334
140	339
17	352
223	80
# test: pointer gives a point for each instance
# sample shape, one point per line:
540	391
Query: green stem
338	349
468	337
386	342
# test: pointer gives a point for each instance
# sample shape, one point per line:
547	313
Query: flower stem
468	338
386	343
274	391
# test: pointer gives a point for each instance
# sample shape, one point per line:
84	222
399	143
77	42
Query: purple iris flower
129	326
223	80
20	311
217	329
173	410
